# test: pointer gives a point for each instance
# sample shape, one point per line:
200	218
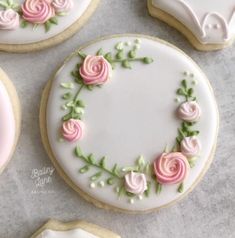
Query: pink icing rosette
171	168
62	5
190	146
9	19
135	183
37	11
95	70
189	111
72	130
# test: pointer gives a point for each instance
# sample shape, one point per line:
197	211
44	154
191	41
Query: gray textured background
209	211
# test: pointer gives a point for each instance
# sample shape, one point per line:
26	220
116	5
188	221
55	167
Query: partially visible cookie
75	229
208	25
10	119
29	25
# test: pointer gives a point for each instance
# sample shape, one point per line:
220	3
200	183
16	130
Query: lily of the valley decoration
136	182
35	12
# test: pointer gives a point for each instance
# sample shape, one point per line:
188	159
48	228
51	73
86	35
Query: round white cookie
75	229
10	119
209	25
29	25
130	122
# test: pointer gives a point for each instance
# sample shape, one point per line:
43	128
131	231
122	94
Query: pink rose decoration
72	130
189	111
9	19
62	5
135	183
190	146
37	11
95	70
171	168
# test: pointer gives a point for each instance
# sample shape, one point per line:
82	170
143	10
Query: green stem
129	59
104	169
77	94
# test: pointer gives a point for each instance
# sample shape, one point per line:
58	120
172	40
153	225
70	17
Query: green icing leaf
132	54
24	24
180	188
96	176
110	181
158	188
120	55
84	169
147	191
147	60
54	20
78	152
108	57
91	158
47	26
102	162
100	52
67	96
67	85
126	64
119	46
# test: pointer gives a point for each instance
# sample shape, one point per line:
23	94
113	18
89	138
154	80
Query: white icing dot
194	82
208	26
92	185
101	184
140	197
191	75
131	201
128	43
186	73
138	41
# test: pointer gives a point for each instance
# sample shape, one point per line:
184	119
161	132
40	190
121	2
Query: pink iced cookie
10	119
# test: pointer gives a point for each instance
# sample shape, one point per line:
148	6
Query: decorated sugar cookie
27	25
130	122
76	229
208	25
10	119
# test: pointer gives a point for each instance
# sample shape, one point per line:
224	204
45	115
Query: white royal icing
75	233
211	21
30	35
132	114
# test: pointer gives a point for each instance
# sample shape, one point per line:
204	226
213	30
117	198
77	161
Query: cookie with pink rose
28	25
130	122
10	115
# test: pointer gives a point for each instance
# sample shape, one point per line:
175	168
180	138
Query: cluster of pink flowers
34	11
95	70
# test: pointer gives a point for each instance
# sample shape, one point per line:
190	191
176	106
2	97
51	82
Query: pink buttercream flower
189	111
135	183
62	5
37	11
95	70
190	146
72	130
9	19
171	168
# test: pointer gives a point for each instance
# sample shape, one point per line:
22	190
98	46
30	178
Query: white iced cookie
123	121
28	25
76	229
9	119
208	24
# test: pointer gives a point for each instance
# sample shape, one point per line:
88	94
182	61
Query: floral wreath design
170	167
35	12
